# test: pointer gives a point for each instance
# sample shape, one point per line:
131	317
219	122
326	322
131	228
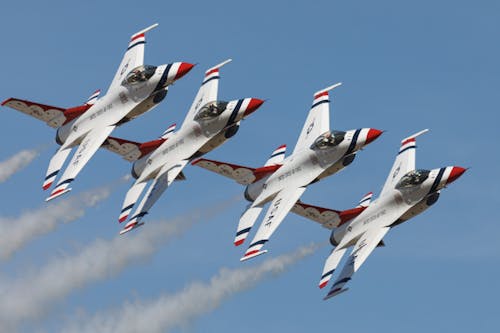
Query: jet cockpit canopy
211	110
328	139
139	74
413	178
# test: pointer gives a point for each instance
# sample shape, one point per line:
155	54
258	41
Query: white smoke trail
18	231
172	311
16	163
34	294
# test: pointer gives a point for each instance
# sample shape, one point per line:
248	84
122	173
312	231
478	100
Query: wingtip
6	101
143	31
333	86
216	67
413	136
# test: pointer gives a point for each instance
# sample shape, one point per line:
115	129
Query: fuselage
196	137
308	165
398	204
121	103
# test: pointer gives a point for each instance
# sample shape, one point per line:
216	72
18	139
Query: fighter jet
407	192
208	124
319	153
136	88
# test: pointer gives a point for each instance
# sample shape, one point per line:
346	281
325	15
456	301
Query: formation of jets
319	152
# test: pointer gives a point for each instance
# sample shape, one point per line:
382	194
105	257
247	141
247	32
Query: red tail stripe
407	141
324	93
137	37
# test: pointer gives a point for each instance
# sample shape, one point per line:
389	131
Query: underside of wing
51	115
275	214
241	174
318	119
328	218
130	150
364	246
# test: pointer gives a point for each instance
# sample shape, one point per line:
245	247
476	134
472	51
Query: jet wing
134	56
162	181
318	120
87	148
207	92
129	150
405	161
241	174
328	218
364	246
277	211
51	115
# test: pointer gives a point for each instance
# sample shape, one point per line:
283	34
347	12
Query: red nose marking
455	173
254	104
372	135
183	69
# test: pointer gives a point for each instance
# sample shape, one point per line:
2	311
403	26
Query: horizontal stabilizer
246	223
131	226
58	193
252	255
331	264
335	292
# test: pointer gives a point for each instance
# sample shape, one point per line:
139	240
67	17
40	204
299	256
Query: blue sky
405	66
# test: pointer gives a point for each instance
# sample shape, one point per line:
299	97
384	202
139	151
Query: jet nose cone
372	135
253	105
184	67
455	173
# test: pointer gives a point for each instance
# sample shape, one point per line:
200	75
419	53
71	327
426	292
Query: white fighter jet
407	192
208	124
136	88
318	153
